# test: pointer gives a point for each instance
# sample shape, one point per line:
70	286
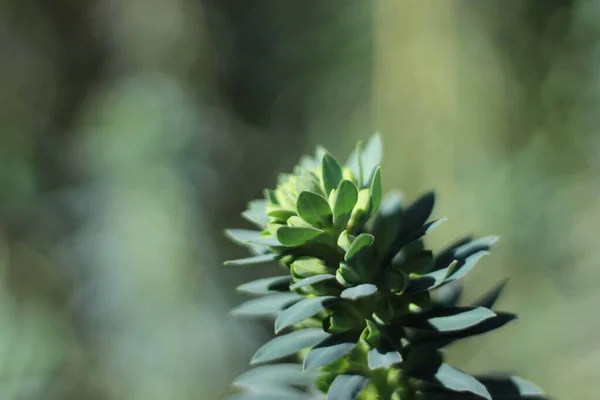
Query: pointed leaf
464	268
263	258
300	311
476	246
329	350
314	209
376	191
347	196
510	387
266	285
281	214
311	280
331	173
459	381
431	280
365	159
448	295
265	306
461	319
256	216
436	339
490	298
361	241
291	343
346	387
296	236
279	374
377	358
359	291
418	212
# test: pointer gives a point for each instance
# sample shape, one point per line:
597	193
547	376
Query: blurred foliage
133	132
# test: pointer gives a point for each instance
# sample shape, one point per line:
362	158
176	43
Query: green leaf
266	285
345	240
363	240
265	306
314	209
510	387
263	258
475	246
331	173
300	311
431	280
311	280
463	269
364	160
491	297
291	343
459	381
279	374
275	394
329	350
247	237
377	358
257	216
347	276
296	236
376	191
388	222
305	267
418	212
298	222
281	214
346	387
364	290
461	320
347	196
270	196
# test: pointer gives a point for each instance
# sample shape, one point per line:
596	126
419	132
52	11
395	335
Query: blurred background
133	132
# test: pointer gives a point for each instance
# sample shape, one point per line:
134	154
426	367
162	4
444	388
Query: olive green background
133	132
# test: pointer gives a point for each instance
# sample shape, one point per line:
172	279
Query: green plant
364	304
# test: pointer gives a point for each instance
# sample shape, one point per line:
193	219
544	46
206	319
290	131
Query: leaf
345	240
428	281
418	212
329	350
388	221
464	268
311	280
447	295
382	359
476	246
266	285
489	299
265	306
346	387
279	374
305	267
376	191
364	160
361	241
460	319
510	387
314	209
359	291
331	173
440	339
281	214
247	237
459	381
291	343
256	216
347	196
296	236
300	311
263	258
273	395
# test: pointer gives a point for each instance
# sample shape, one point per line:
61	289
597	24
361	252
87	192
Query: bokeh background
133	132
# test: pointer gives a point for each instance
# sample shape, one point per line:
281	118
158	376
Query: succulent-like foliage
364	304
